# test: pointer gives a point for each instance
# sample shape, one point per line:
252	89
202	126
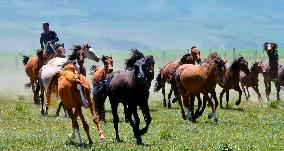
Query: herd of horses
188	76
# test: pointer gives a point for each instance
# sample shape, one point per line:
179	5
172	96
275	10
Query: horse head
243	64
141	71
221	69
89	53
195	53
270	47
187	59
108	63
60	50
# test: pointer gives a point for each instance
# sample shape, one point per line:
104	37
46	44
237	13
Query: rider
48	37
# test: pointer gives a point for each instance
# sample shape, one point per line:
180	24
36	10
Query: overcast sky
147	24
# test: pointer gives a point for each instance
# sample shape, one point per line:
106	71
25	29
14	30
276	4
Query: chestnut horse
270	69
251	79
99	74
64	84
165	73
32	67
192	80
79	53
34	64
232	79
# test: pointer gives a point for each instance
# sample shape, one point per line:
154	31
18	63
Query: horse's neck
233	72
273	60
254	75
210	72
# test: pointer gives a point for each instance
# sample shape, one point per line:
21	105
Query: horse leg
114	106
85	125
205	98
164	95
75	126
36	93
255	88
221	96
213	114
197	112
59	107
278	88
240	95
169	98
147	117
136	117
267	83
130	110
227	98
125	111
191	106
96	120
244	90
42	99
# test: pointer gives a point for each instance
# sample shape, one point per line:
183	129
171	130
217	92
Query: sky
147	24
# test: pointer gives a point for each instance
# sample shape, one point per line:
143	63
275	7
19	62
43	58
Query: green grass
258	127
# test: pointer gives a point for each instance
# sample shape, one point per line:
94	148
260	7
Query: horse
131	88
270	69
232	79
251	79
192	80
32	67
79	53
64	84
34	64
280	80
164	75
99	74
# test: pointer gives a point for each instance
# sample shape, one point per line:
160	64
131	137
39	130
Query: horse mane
254	66
39	53
57	45
75	49
211	56
274	53
183	58
93	69
235	64
135	55
150	59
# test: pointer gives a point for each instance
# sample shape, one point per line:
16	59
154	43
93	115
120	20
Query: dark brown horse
99	74
280	80
270	69
251	79
165	73
232	79
131	88
193	80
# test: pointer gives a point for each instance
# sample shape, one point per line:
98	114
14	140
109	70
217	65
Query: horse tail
25	59
158	84
52	88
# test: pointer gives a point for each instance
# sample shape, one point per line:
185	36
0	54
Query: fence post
234	53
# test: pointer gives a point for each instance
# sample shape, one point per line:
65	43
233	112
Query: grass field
260	126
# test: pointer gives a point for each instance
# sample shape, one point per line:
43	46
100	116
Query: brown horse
64	84
270	69
232	79
280	79
32	67
251	80
99	74
165	73
192	80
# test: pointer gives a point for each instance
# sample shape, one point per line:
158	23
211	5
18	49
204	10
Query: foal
64	84
99	74
251	79
232	79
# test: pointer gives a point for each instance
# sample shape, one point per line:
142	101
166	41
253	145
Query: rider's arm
55	38
41	42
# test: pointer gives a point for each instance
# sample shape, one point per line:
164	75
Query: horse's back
168	69
56	62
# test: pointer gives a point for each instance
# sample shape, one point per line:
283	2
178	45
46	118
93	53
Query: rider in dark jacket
47	37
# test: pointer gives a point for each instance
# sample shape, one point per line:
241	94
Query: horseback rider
47	39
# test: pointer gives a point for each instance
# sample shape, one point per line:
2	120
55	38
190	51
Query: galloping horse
64	84
99	74
79	53
270	69
251	79
130	88
165	73
34	64
280	80
232	79
32	67
192	80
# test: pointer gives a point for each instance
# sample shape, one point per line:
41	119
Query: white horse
47	72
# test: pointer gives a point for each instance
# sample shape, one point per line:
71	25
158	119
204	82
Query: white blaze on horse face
90	54
79	87
269	46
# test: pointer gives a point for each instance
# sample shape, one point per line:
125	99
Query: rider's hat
45	24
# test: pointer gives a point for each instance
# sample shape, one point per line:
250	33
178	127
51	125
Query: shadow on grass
233	109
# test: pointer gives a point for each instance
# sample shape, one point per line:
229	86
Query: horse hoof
209	115
169	106
81	144
238	103
165	105
215	120
139	142
42	112
184	117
